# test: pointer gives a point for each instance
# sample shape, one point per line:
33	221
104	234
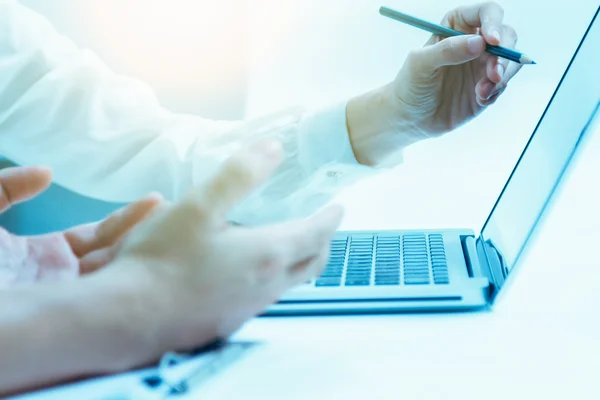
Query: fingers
450	51
486	19
241	174
304	239
310	269
88	238
18	184
511	71
499	71
496	67
490	100
277	250
487	16
109	231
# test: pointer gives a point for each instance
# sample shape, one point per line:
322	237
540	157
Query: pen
216	356
443	31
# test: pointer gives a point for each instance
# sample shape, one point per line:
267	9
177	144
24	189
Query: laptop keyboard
386	260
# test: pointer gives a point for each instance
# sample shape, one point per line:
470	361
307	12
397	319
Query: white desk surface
541	341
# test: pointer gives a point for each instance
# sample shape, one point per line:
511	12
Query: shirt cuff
323	138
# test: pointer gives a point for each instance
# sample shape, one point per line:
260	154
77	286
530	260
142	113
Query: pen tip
533	62
526	59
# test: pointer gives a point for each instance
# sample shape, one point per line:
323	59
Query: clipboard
181	375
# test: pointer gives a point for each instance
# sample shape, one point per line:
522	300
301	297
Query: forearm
56	332
376	132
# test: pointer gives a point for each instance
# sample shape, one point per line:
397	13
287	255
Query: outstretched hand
60	255
204	278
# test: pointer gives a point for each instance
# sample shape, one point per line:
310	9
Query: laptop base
393	272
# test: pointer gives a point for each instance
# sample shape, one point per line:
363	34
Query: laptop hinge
480	263
488	255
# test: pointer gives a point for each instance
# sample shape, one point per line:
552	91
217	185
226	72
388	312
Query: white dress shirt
106	136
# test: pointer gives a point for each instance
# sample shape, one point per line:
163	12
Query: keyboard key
356	253
417	268
328	282
416	274
380	253
388	270
358	271
361	269
331	275
361	274
389	257
387	282
360	259
395	277
358	282
359	264
411	256
389	265
416	282
388	262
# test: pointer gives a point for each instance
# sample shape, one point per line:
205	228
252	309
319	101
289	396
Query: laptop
453	270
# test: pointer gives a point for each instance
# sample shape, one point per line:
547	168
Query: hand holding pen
441	85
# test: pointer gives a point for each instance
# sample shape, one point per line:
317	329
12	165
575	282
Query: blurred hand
59	255
441	86
203	278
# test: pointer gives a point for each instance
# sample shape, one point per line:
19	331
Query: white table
541	341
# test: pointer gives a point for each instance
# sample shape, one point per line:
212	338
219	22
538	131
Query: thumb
87	238
18	184
449	51
241	174
97	259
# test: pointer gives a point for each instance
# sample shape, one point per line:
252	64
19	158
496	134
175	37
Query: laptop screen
549	150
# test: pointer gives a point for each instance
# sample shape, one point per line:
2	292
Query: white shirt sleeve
106	136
